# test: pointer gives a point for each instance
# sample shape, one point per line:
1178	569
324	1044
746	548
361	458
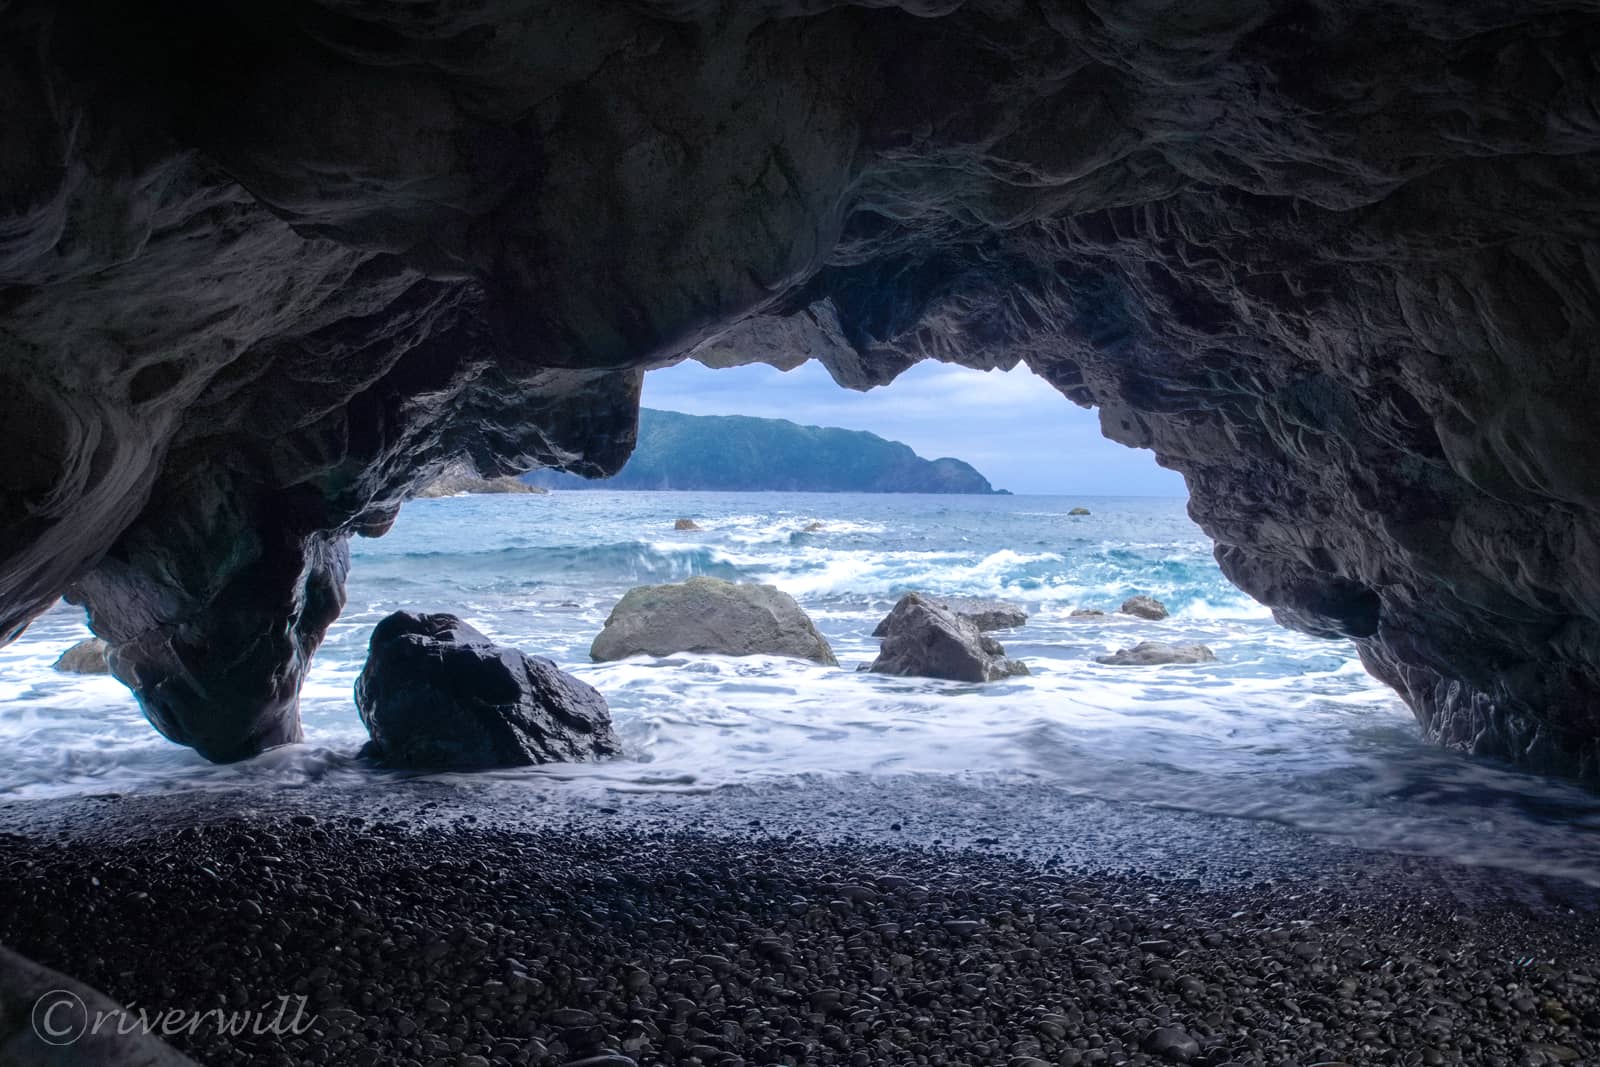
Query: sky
1016	430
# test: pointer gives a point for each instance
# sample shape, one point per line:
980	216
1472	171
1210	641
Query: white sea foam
1281	725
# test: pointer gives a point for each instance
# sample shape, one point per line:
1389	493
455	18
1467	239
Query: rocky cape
737	452
265	269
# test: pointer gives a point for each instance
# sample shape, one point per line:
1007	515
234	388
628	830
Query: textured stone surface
1144	607
710	615
925	638
48	1019
983	613
266	267
464	480
86	657
436	694
1155	653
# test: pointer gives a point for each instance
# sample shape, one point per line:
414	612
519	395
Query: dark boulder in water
1144	607
713	616
983	613
686	524
86	657
436	694
1078	511
925	639
1155	653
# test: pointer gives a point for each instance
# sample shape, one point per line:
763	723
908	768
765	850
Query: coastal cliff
736	452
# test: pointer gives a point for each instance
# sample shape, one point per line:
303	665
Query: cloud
1011	425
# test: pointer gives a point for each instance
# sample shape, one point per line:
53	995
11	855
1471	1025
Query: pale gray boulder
710	615
1156	653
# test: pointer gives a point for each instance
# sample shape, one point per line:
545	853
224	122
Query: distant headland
736	452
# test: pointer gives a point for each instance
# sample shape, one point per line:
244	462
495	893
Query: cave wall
266	266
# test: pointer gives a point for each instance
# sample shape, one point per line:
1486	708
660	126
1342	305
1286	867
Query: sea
1282	727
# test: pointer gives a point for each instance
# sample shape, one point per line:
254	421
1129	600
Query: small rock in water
1078	511
1154	653
85	657
812	527
1145	607
982	612
1086	613
925	639
687	524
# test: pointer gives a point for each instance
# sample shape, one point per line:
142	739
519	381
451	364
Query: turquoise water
1282	727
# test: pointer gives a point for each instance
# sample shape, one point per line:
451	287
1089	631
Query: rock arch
265	267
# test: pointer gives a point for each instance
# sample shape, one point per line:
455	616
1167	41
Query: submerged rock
983	613
86	657
812	527
436	694
1154	653
923	638
1145	607
710	615
686	524
1086	613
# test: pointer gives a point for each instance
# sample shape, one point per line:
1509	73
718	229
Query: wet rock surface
266	270
457	481
924	638
710	615
86	657
467	942
985	614
436	694
1144	607
1154	653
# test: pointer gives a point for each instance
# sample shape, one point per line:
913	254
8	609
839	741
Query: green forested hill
679	451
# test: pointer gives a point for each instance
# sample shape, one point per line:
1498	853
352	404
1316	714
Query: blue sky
1020	433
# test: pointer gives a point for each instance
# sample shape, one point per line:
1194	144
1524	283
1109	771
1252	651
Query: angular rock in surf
1155	653
436	694
983	613
925	639
1144	607
86	657
710	615
687	524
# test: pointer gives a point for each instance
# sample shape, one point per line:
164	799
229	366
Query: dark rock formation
924	639
1078	511
1155	653
1086	613
1145	607
436	694
710	615
86	657
265	268
686	524
736	452
461	480
47	1019
983	613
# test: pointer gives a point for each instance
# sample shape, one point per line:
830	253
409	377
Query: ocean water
1283	727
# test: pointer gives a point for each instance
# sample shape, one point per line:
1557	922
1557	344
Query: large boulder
48	1019
710	615
1155	653
924	638
86	657
983	613
436	694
